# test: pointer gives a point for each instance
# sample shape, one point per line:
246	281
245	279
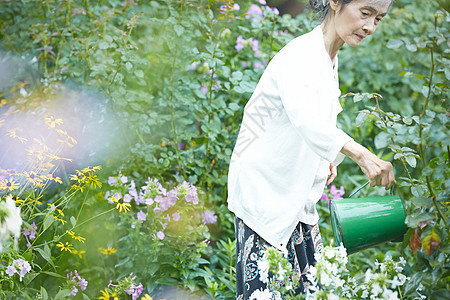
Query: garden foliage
156	90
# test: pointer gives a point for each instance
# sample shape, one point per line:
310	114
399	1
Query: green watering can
360	223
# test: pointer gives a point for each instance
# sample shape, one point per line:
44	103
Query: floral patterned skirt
304	242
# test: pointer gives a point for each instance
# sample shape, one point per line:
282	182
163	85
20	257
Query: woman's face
358	19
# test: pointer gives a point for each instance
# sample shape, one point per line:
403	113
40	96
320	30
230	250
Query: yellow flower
65	247
8	184
54	178
59	219
106	296
120	204
107	251
12	133
78	238
59	211
93	180
147	297
34	178
52	123
80	177
91	169
79	253
78	187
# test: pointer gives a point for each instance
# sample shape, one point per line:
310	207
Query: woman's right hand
379	172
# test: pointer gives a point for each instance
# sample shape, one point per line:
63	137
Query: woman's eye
365	14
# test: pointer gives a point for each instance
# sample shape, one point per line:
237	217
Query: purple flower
134	290
77	281
258	65
160	235
276	11
263	2
180	145
204	89
208	217
20	267
176	217
239	43
148	201
127	198
124	179
112	180
236	6
141	216
324	197
83	284
10	270
74	291
337	194
26	232
254	11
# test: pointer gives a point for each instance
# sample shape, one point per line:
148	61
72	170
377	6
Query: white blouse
287	140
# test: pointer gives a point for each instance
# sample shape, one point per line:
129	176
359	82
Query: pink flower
337	194
239	43
254	10
112	180
141	216
160	235
236	6
324	197
176	217
208	217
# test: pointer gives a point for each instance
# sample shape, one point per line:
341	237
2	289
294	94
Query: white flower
376	289
281	272
329	252
261	295
389	295
332	296
365	294
368	276
263	266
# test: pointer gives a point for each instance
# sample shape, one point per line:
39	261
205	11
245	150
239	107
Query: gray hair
323	7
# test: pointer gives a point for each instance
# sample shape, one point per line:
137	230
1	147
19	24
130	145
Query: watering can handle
358	189
364	185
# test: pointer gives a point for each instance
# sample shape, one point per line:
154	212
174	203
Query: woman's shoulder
305	50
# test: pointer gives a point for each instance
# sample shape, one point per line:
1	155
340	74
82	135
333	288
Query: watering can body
360	223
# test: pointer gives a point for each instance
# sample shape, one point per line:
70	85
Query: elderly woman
289	146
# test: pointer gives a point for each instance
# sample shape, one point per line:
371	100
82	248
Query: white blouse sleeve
309	102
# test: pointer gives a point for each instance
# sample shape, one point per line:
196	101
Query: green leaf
362	116
413	220
413	283
53	274
44	293
103	45
411	160
139	73
422	201
62	294
48	221
394	43
179	30
73	221
381	140
45	255
234	106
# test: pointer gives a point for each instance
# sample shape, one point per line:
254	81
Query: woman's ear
335	5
